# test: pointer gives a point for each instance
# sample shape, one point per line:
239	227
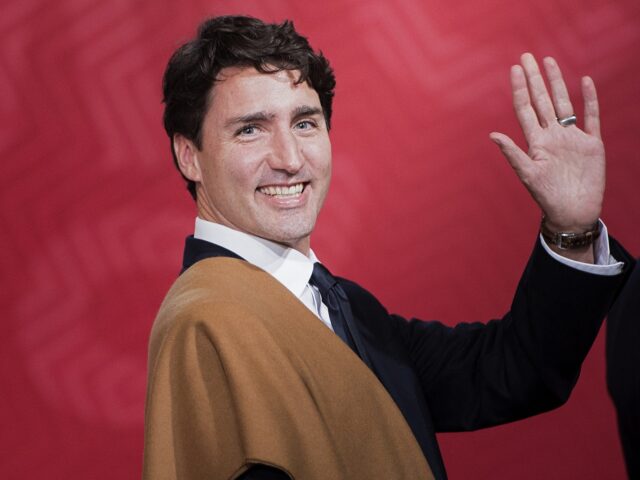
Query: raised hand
564	169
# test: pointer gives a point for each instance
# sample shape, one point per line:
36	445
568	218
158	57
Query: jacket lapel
390	363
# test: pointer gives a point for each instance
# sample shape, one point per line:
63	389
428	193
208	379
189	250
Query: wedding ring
566	121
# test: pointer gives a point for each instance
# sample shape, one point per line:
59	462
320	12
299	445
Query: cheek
328	155
319	154
242	171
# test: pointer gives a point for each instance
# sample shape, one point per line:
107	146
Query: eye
305	125
247	130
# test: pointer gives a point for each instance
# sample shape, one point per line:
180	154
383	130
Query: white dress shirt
293	269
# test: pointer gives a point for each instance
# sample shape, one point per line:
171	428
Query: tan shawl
241	372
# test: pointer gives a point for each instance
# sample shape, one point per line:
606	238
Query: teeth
280	191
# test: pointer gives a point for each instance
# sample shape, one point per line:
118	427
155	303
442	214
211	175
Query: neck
302	245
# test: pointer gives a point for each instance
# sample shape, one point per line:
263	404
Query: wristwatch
570	240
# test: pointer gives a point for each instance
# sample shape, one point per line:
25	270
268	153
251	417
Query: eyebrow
305	111
298	112
250	118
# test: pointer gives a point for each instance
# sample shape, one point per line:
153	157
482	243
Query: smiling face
265	163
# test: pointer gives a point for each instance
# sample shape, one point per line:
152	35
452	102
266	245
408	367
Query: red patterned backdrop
94	215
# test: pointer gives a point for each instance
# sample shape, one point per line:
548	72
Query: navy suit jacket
477	375
623	368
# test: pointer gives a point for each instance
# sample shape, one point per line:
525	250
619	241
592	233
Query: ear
187	155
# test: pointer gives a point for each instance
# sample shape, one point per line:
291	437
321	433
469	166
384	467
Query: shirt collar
289	266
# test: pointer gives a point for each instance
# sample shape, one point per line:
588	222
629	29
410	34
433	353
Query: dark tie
335	298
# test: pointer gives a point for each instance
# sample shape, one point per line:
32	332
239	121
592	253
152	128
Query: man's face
265	163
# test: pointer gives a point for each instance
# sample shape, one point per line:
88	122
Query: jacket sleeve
623	368
264	472
477	375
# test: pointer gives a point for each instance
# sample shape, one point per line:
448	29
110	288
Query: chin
290	236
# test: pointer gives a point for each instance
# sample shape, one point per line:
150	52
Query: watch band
570	240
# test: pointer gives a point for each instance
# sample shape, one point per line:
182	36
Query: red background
94	214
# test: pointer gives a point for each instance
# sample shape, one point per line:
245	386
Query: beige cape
241	372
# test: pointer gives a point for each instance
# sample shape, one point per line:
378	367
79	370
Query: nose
286	153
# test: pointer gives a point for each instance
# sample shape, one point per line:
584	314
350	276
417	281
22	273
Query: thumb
519	160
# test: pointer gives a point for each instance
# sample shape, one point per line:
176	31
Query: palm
564	169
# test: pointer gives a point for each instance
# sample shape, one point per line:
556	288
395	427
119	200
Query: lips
282	191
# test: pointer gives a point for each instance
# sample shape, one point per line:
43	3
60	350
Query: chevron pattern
94	214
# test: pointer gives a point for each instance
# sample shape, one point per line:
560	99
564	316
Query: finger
522	103
519	160
561	99
591	108
538	91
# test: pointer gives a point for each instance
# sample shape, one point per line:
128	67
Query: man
623	368
264	365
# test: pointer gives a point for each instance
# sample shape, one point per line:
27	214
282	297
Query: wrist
578	238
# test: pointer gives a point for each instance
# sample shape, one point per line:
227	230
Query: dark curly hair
231	41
